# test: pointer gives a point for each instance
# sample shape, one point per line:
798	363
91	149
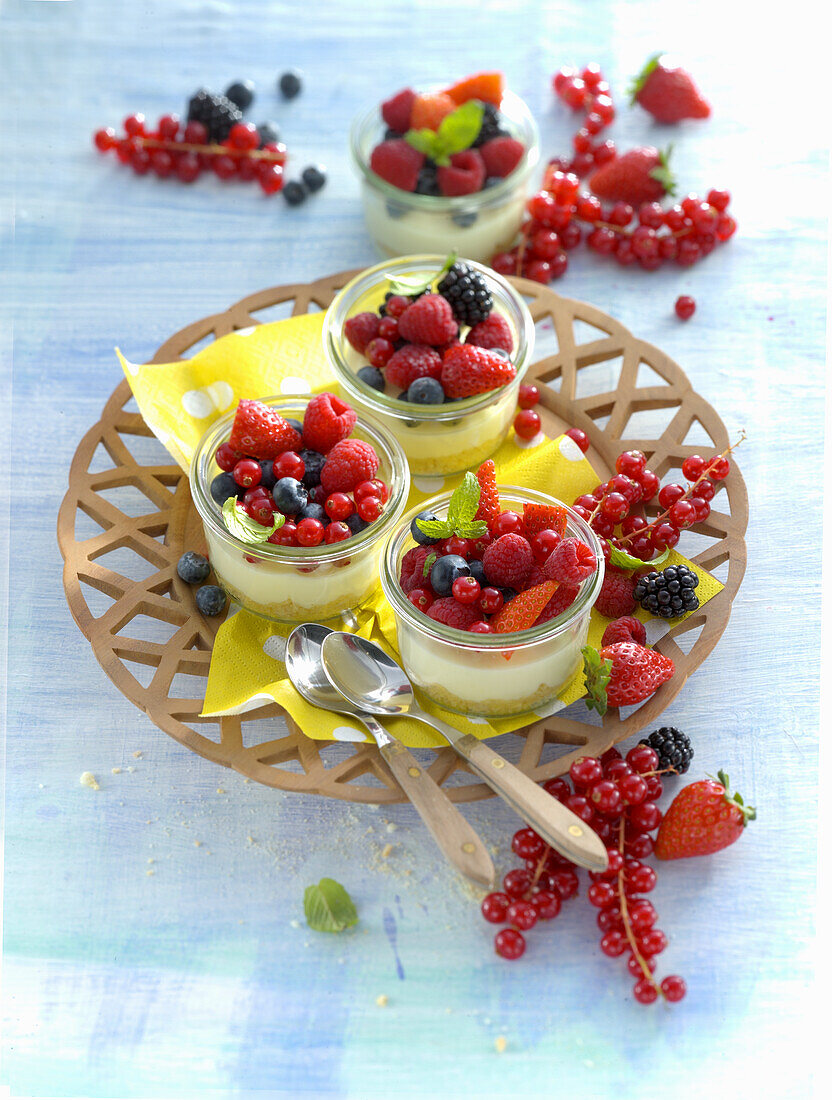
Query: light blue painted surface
194	981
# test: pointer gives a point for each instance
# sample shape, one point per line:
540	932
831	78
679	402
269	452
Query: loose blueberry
314	177
268	133
222	487
313	461
294	193
193	568
290	84
372	376
355	523
210	599
445	571
313	511
241	93
289	496
418	534
267	478
425	391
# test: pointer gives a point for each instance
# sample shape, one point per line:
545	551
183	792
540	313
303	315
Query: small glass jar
490	675
299	583
476	225
437	439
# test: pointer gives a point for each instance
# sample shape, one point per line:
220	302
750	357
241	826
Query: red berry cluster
617	798
527	421
586	91
182	150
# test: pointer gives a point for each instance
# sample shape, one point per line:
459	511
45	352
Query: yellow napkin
179	401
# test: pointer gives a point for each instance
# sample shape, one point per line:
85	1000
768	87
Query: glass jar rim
586	598
337	314
519	113
378	435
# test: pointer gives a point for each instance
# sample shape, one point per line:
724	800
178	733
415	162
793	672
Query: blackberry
427	182
241	94
216	113
668	594
468	294
490	127
672	747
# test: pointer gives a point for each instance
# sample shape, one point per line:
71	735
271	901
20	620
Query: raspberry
412	569
563	598
397	109
628	629
430	320
493	332
428	110
571	562
469	370
361	329
411	362
464	175
327	421
489	505
349	462
449	611
398	163
508	561
537	576
616	599
261	432
501	155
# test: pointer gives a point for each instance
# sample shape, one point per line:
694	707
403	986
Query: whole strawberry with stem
623	674
639	175
703	818
667	92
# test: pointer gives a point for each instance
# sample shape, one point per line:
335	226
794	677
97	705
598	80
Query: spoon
365	675
444	821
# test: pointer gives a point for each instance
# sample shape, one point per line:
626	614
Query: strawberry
623	674
397	163
451	612
464	175
563	598
667	92
522	610
489	505
640	175
261	432
396	110
467	370
487	87
327	421
616	598
508	561
543	517
411	362
360	329
493	332
501	155
628	629
571	562
702	819
429	110
429	320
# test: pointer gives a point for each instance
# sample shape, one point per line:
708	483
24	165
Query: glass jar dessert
298	583
494	675
457	434
477	223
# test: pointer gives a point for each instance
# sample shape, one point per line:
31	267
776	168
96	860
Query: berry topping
672	747
464	175
411	362
489	506
467	291
397	163
260	431
524	609
445	571
468	370
669	593
429	320
397	109
289	496
217	114
623	674
543	517
361	329
508	561
494	332
501	155
412	573
327	421
628	629
571	562
703	818
425	391
348	463
451	612
616	600
667	92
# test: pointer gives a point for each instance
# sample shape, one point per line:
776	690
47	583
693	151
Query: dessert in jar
296	498
436	348
491	617
446	167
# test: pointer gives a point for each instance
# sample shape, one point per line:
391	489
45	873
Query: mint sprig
456	131
245	528
328	907
413	285
461	511
622	560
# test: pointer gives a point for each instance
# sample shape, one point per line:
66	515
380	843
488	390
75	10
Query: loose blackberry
216	113
241	93
490	127
668	594
672	747
468	294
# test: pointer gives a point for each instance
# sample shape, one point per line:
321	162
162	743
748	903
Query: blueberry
290	84
314	177
391	135
464	218
372	376
312	511
241	93
396	210
289	496
478	572
355	523
425	391
193	568
267	478
403	396
507	593
210	599
296	424
491	181
419	535
445	571
313	461
268	133
222	487
294	193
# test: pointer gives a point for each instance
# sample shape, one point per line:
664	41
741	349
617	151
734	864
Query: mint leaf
459	129
623	560
412	285
429	560
462	508
468	497
328	907
473	530
425	141
245	528
435	528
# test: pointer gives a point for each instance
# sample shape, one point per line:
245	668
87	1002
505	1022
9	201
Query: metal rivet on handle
414	772
468	847
497	762
575	830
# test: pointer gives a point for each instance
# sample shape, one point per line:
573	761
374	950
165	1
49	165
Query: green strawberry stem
596	677
662	174
749	813
638	82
